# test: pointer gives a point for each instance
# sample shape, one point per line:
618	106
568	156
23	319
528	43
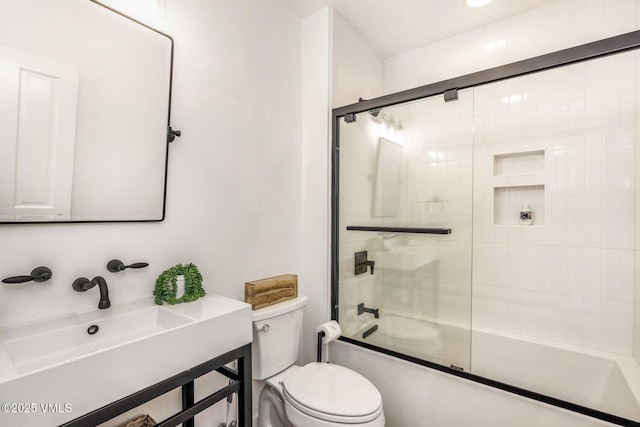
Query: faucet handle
82	284
115	265
361	263
38	274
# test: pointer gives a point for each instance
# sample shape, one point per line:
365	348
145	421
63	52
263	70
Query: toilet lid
332	392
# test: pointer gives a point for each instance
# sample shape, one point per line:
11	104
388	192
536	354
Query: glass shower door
405	228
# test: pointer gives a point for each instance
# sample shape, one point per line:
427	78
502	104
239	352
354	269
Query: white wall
357	69
234	189
316	164
560	25
636	264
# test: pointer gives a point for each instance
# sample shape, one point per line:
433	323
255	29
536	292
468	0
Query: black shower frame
585	52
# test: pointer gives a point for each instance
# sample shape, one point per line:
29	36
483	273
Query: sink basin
137	344
73	337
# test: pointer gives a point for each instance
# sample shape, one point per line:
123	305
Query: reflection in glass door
405	228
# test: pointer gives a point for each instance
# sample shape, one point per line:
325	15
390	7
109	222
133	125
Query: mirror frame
170	134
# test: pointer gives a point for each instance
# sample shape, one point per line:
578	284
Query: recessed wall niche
509	201
526	162
519	184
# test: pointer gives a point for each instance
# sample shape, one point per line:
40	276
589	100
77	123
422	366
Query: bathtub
436	342
406	335
604	381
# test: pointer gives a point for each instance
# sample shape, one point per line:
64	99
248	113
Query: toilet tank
276	337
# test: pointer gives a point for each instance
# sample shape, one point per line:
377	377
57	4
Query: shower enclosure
485	227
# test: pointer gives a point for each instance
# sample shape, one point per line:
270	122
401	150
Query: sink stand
241	384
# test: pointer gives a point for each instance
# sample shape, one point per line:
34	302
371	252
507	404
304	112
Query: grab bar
399	229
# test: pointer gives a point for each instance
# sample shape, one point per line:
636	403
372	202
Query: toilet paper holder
321	335
329	330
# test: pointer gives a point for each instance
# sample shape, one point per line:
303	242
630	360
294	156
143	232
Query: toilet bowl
314	395
323	394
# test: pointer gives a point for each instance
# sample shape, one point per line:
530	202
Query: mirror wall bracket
171	134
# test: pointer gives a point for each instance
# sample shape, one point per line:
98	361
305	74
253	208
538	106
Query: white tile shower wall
435	191
572	280
437	137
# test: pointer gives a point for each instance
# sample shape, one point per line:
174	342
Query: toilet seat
332	393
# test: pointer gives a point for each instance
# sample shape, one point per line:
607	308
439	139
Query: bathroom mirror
83	114
387	183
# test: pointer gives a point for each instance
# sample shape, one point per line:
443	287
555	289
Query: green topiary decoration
166	285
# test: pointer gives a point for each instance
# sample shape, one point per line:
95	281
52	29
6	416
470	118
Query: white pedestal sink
54	370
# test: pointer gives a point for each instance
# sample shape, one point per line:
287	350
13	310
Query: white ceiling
395	26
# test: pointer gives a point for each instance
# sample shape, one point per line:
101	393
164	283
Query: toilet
315	395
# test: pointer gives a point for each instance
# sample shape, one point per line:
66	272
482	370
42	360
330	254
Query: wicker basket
141	421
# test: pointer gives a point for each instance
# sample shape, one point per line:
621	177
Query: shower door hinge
451	95
350	117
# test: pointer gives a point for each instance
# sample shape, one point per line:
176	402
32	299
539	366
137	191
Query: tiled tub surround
434	191
419	396
556	141
569	277
573	285
580	97
592	378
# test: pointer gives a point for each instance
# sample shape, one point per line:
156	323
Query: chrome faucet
82	284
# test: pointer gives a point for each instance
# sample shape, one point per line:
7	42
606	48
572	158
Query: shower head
375	112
